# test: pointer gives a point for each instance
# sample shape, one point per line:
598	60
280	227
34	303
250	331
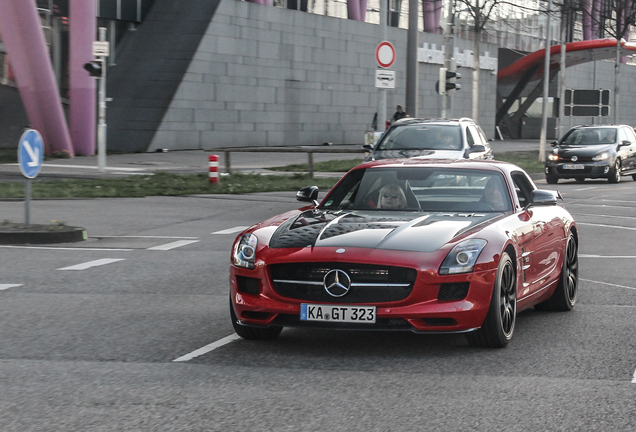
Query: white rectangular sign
101	48
385	78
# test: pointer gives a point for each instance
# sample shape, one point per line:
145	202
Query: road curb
41	234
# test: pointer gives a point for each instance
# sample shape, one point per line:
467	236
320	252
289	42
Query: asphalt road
91	331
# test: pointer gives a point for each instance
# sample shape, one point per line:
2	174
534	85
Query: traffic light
447	81
95	68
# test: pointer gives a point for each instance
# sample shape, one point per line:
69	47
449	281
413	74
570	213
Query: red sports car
428	246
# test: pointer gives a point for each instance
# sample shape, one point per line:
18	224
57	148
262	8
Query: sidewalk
195	161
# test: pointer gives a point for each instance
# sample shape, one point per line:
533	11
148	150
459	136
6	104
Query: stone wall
266	76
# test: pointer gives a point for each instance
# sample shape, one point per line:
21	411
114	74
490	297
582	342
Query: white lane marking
67	248
607	256
231	230
86	265
605	206
634	379
206	349
610	284
604	216
172	245
606	226
149	237
587	188
7	286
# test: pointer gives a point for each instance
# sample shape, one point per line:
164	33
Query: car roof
601	126
489	165
410	120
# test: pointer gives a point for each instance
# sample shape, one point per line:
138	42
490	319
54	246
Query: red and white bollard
213	161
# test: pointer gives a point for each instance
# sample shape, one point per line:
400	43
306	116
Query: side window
622	136
631	135
523	187
482	136
469	138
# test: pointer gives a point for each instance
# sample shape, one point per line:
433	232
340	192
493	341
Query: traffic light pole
448	55
101	124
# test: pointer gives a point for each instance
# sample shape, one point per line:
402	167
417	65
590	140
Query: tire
499	325
564	297
551	180
634	177
615	173
253	333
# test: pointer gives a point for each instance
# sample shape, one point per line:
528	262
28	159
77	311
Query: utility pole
382	108
546	87
101	123
411	60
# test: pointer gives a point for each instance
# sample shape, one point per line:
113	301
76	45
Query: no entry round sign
385	54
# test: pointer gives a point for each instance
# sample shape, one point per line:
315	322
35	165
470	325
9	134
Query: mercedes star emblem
337	283
575	158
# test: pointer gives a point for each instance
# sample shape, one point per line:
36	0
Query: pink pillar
428	16
82	111
24	41
587	19
353	10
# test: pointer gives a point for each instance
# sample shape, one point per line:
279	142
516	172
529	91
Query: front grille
453	291
286	320
304	281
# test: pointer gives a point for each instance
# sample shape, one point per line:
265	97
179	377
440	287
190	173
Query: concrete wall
600	75
266	76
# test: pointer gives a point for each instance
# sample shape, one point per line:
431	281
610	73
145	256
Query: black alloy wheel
499	325
253	333
615	173
564	297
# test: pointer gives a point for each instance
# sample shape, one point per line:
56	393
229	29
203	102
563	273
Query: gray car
594	151
432	139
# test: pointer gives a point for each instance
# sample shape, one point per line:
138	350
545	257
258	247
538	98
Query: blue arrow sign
30	153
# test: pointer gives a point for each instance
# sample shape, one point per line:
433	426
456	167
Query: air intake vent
453	291
248	285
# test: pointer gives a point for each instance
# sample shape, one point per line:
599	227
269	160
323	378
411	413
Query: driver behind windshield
391	197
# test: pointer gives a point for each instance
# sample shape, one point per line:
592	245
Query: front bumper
421	311
600	169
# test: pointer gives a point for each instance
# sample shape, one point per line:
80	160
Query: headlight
553	156
462	257
244	251
601	156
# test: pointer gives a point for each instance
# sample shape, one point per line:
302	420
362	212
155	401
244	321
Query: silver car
432	139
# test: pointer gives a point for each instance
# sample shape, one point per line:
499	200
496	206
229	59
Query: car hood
432	154
585	151
405	231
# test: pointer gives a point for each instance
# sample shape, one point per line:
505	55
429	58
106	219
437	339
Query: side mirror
544	197
308	194
554	143
477	148
367	147
625	143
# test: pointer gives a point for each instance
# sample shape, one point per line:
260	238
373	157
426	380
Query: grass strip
163	184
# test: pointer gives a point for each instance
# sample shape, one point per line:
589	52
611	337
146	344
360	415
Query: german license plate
335	313
573	166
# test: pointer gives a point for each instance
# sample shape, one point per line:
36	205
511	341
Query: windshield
420	189
589	136
422	137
